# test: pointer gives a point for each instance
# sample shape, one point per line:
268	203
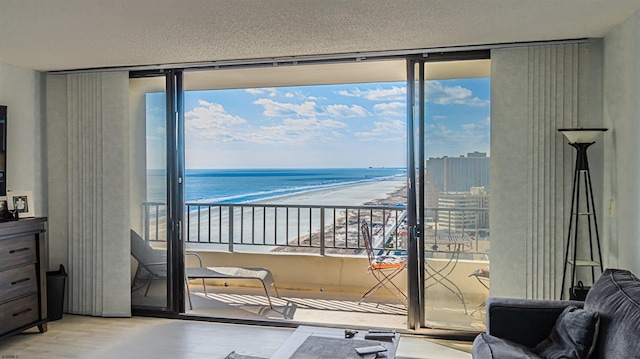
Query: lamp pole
581	139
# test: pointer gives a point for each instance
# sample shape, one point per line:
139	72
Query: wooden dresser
23	292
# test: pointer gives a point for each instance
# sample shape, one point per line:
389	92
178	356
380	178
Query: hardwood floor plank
82	337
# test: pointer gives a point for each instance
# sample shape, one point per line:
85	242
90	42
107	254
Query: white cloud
211	115
394	93
157	134
211	121
314	123
298	94
391	109
438	117
487	121
392	130
436	92
470	127
443	140
297	132
346	111
279	109
271	91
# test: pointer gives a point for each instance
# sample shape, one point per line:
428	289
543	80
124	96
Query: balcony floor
328	308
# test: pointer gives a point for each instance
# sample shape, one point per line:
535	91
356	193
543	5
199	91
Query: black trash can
55	293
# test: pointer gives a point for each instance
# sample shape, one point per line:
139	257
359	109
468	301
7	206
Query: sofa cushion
488	346
573	336
524	321
616	297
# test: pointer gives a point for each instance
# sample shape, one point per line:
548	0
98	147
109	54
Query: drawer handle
20	281
22	312
19	250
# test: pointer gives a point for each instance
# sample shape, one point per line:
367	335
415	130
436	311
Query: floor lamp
581	139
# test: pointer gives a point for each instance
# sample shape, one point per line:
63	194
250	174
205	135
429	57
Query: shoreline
263	230
352	194
343	230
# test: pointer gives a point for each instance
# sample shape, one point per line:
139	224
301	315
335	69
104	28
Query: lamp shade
581	135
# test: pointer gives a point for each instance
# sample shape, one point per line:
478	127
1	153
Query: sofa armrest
524	321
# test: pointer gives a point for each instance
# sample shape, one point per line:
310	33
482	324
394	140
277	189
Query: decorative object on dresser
23	292
21	202
4	210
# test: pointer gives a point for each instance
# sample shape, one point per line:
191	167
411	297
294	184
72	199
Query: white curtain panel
87	154
536	90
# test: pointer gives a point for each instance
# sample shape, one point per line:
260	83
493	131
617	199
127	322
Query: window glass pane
148	192
456	217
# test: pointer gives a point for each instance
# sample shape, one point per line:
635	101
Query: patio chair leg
384	279
148	286
388	280
186	282
135	277
266	291
482	305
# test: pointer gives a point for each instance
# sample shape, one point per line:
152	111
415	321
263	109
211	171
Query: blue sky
354	125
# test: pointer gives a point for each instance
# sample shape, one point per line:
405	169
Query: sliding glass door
157	194
286	163
448	208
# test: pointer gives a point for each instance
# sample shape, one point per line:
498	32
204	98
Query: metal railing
292	226
320	229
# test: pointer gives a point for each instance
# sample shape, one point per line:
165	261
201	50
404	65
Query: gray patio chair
262	274
150	260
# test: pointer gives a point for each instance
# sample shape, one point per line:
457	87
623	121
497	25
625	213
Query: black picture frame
4	209
21	203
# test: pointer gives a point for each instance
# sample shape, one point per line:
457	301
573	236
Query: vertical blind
535	91
88	167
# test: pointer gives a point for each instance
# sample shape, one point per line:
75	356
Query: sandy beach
356	194
270	226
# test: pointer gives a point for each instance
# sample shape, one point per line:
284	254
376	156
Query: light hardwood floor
82	337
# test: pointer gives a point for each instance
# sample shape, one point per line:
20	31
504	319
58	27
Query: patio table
453	246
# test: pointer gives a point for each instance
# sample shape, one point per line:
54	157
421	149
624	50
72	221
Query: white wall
622	160
22	91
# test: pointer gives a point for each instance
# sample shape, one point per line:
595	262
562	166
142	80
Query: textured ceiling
74	34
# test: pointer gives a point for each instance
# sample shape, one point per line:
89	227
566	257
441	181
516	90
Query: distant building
431	200
458	174
460	220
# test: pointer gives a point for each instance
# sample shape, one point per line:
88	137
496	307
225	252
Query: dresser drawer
18	313
17	251
18	282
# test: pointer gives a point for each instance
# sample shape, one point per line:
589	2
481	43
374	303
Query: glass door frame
415	79
175	191
416	200
175	303
415	190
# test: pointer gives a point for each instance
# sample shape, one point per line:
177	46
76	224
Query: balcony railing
310	228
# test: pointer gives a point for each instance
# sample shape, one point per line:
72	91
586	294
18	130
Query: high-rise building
464	212
459	174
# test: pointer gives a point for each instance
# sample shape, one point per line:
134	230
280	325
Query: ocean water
245	185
